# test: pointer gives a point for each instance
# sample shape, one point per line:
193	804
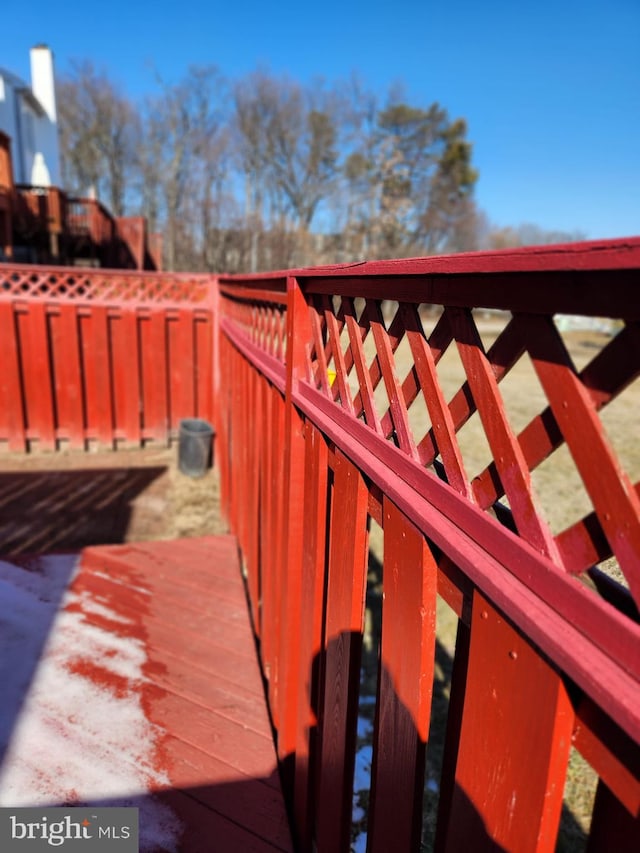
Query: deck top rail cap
619	254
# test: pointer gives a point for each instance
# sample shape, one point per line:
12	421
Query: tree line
265	172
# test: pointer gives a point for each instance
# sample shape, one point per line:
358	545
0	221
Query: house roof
24	90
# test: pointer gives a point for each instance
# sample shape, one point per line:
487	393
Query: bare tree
287	144
272	173
185	125
99	134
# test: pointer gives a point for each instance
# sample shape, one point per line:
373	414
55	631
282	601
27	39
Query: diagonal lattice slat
318	355
364	401
614	498
504	353
443	431
395	333
508	456
397	403
334	329
604	377
374	374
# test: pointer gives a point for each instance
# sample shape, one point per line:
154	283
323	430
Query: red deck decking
131	678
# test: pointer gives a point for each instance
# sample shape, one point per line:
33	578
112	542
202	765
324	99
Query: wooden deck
132	679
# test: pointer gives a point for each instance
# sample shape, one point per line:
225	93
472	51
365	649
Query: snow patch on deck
72	723
90	605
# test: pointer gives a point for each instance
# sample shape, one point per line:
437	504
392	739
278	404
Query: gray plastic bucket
195	447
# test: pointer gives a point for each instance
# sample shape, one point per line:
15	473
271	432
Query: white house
28	116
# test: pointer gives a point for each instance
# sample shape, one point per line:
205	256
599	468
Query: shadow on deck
132	679
65	510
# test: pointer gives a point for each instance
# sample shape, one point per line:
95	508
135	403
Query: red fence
101	356
335	409
444	401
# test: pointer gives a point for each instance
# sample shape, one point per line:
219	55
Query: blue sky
550	90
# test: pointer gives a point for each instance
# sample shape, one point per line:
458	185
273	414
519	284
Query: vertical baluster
344	624
126	374
156	370
310	644
405	681
204	366
514	743
38	375
97	374
65	345
182	367
293	545
12	425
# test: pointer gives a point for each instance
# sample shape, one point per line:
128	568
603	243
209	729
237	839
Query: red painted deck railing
333	408
101	356
322	373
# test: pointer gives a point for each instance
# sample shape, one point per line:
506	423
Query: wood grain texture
65	346
12	423
182	367
202	731
514	743
405	681
37	373
293	525
125	343
310	662
344	623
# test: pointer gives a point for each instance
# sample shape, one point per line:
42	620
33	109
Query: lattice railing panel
263	323
377	363
105	286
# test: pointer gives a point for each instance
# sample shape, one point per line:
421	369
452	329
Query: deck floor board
142	688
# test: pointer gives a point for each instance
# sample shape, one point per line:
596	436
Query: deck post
214	307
